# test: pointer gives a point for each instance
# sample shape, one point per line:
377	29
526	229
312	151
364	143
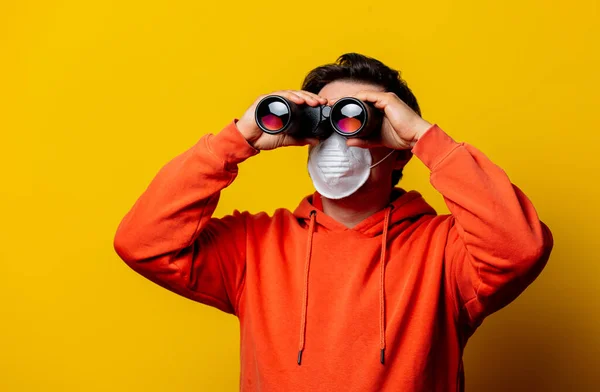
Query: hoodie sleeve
497	244
169	236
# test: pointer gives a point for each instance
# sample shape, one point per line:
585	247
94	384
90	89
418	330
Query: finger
377	98
332	101
321	100
308	97
288	94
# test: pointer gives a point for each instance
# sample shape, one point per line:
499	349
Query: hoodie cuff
434	146
230	146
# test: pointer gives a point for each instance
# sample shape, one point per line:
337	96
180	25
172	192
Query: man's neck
355	208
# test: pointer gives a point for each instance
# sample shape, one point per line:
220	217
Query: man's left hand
401	128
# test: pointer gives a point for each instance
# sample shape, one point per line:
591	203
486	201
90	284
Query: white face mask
336	170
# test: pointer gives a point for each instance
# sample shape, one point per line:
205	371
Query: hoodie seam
190	242
208	147
441	160
231	305
206	201
479	277
235	302
462	305
241	291
466	309
224	163
457	305
242	287
480	282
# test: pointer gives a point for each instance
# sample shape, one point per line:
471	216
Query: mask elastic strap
383	159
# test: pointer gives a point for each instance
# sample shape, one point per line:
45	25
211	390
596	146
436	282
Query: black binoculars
349	117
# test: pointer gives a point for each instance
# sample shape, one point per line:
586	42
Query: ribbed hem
434	146
230	146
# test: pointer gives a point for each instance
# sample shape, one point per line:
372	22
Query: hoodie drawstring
311	230
386	224
382	260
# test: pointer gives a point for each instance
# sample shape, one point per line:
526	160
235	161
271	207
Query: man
363	287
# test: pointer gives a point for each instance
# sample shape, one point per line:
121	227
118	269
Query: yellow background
95	96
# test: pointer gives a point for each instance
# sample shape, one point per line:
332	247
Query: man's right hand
264	141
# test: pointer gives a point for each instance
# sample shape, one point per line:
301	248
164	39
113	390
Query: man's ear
402	159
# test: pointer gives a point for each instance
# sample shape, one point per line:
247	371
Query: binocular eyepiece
349	117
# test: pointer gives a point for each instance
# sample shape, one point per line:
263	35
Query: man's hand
401	128
264	141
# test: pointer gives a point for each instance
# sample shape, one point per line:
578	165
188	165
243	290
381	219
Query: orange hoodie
385	306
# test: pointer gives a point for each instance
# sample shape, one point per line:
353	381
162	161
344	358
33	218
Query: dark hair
360	68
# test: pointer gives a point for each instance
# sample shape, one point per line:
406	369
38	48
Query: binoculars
349	117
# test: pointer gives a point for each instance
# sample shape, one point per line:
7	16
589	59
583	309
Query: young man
363	287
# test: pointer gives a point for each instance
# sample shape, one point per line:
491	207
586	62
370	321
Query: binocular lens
348	118
273	114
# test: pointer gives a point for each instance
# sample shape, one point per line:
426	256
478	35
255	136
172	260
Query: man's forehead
340	89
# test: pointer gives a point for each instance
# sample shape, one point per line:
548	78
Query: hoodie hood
404	205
